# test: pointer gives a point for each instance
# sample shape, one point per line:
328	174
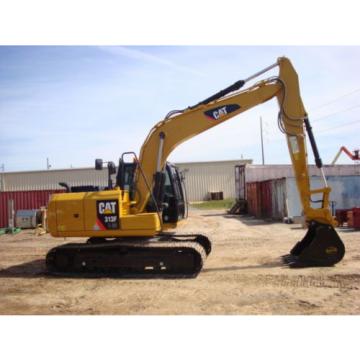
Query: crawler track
164	256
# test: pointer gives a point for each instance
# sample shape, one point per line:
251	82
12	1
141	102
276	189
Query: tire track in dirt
346	281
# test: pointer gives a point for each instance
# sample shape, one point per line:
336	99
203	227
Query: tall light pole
262	141
2	178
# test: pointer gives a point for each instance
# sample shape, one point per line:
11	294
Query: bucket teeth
292	261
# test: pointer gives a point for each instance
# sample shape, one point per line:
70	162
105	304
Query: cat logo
107	215
219	112
107	207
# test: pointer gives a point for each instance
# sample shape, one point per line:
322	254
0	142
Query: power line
338	126
335	100
336	112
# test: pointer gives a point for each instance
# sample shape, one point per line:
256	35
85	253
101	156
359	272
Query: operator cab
170	198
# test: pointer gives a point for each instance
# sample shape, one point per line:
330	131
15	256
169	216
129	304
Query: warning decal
107	215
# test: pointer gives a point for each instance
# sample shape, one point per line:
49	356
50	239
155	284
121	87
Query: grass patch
214	204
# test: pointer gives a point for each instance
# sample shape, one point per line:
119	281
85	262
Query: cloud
144	56
81	110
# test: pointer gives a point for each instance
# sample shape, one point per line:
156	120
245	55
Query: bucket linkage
321	246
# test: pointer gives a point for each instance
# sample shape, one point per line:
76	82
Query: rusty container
349	216
354	218
266	199
341	216
253	197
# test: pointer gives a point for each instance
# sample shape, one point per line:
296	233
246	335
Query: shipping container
23	200
279	198
253	199
279	204
251	173
266	199
353	218
345	193
356	217
341	216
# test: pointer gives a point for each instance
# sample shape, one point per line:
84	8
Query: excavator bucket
321	246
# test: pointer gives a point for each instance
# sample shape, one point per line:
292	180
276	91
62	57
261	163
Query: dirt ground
242	275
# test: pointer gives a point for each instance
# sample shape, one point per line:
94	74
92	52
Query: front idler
321	246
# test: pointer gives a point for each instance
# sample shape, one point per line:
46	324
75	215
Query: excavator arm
182	125
321	245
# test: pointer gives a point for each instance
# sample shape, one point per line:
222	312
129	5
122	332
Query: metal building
201	178
49	179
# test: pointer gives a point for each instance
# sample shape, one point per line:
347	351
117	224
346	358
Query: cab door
173	196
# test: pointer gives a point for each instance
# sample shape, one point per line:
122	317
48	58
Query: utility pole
262	141
2	181
48	166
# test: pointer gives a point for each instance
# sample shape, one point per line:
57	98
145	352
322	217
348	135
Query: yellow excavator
129	224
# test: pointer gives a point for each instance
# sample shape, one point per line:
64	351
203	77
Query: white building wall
201	178
49	179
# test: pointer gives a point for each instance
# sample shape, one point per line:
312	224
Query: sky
73	104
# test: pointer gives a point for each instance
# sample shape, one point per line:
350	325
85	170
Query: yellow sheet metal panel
69	211
145	221
97	214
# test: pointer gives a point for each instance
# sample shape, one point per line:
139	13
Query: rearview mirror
111	168
98	164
